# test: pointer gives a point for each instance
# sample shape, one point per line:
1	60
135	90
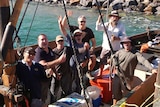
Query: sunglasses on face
76	35
83	21
60	41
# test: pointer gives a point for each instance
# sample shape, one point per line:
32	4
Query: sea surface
45	21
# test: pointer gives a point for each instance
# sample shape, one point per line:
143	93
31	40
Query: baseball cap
77	31
125	39
114	13
29	50
59	37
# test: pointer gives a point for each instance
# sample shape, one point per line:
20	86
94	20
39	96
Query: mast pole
157	89
4	16
6	49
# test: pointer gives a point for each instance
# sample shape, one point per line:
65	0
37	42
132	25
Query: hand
154	71
86	46
113	38
91	50
60	19
49	72
69	12
83	64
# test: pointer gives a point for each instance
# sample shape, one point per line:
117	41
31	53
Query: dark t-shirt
89	33
31	78
64	67
42	55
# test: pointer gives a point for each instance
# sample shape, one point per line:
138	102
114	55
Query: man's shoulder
38	49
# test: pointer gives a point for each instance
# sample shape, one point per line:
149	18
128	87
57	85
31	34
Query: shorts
105	54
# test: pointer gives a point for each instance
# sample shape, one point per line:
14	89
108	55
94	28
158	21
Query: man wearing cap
115	30
82	57
63	70
88	36
127	58
46	57
31	74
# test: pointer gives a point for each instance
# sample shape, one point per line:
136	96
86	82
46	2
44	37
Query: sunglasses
76	35
83	21
60	41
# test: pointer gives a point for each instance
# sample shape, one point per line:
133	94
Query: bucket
94	93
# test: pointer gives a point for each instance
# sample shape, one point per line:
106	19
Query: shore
148	7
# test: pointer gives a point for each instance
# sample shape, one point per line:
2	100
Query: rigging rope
75	56
105	29
32	22
17	39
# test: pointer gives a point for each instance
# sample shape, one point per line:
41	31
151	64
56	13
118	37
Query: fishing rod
105	29
75	55
120	72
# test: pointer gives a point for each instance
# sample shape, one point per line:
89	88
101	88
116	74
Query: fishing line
75	55
105	29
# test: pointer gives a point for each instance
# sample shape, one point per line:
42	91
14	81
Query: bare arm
93	40
61	27
51	64
64	21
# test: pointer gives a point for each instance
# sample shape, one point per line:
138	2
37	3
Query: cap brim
114	15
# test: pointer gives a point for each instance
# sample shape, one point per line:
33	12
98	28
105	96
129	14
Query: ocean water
45	21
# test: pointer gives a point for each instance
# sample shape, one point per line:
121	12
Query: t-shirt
88	33
43	55
64	67
80	56
118	31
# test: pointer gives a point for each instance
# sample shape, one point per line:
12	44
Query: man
46	57
80	59
88	36
30	74
63	70
127	60
115	31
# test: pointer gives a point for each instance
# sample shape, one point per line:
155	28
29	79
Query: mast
157	89
6	47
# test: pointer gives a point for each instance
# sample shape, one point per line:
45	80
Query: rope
131	105
32	22
16	38
147	99
75	56
105	29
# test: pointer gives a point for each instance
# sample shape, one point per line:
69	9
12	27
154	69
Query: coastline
46	21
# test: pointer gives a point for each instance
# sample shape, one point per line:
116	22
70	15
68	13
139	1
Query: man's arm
51	64
61	27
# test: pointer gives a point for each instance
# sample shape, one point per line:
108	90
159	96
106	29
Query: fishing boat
8	55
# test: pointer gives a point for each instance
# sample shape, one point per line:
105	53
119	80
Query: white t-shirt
118	31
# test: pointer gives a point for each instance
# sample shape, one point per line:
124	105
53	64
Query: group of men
50	74
54	73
